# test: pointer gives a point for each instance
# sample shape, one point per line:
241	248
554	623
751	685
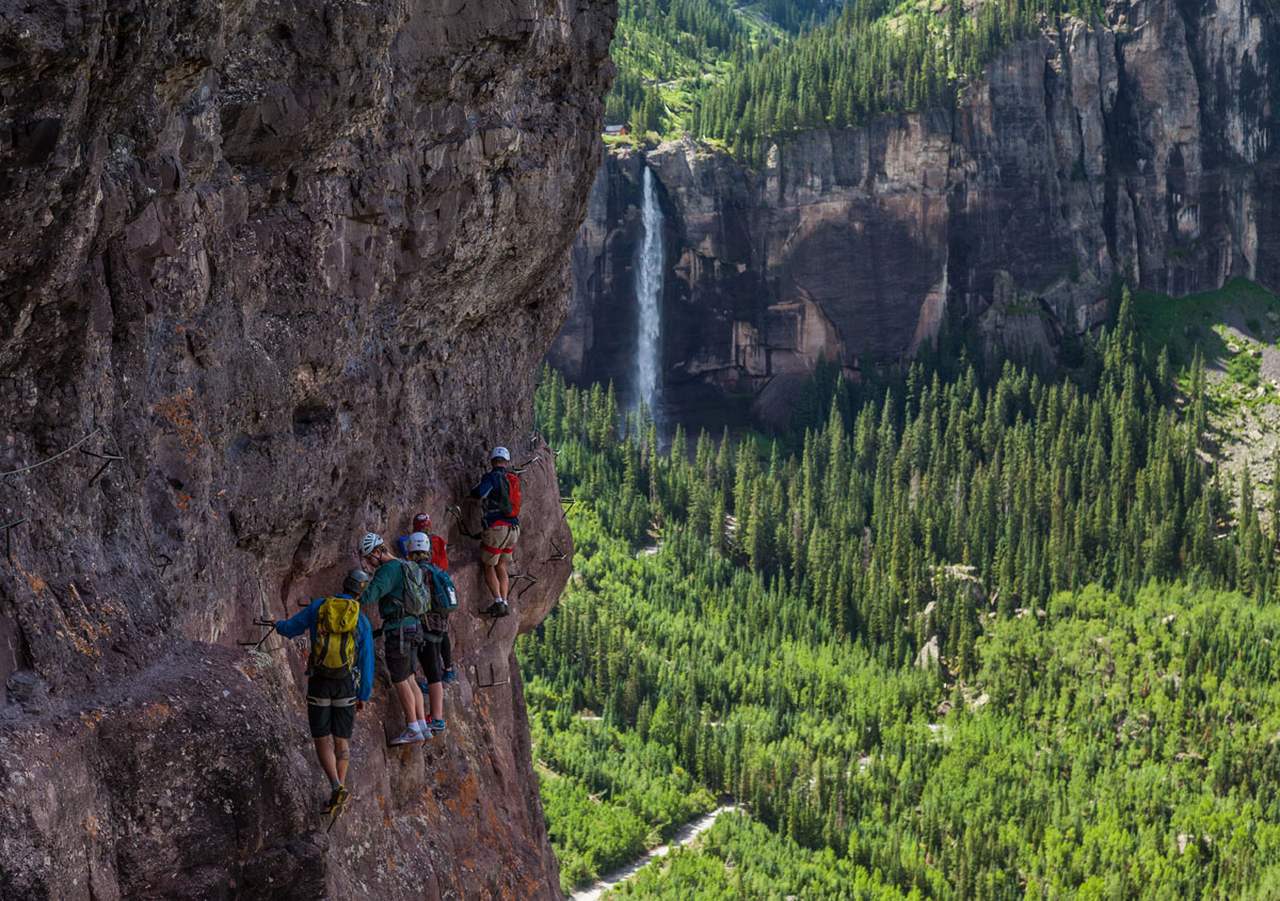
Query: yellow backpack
333	653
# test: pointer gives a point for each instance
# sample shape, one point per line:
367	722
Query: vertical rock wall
1141	148
286	271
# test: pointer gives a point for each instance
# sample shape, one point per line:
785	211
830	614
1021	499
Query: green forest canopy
966	638
741	74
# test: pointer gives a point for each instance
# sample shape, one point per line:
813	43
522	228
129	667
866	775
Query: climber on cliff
435	653
499	491
402	598
340	676
439	546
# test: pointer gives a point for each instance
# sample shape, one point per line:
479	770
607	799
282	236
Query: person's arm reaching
364	648
300	622
486	485
383	582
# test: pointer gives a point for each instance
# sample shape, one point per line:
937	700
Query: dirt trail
686	835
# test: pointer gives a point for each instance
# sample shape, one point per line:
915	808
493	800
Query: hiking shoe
407	737
337	801
497	608
437	727
450	676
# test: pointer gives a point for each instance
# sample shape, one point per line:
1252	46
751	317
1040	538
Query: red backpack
507	502
439	552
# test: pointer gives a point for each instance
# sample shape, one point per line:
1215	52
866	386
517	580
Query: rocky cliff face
1142	148
271	274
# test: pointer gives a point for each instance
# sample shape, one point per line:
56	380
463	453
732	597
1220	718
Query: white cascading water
649	296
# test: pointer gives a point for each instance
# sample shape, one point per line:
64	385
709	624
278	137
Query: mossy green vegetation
1228	340
1207	323
970	638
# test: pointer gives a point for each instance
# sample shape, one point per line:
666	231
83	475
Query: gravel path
687	833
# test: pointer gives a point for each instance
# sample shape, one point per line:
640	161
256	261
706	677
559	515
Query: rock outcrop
1142	148
271	274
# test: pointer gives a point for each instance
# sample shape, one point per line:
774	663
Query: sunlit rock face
1140	149
294	265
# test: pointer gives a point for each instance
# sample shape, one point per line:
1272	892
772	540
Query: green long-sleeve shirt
386	589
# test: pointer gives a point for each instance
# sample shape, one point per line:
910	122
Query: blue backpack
444	598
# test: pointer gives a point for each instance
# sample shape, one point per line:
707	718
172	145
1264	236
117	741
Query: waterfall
649	269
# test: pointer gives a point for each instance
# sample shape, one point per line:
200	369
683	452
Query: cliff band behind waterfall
1141	148
275	274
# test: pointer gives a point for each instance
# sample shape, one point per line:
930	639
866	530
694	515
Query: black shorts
401	649
331	706
435	655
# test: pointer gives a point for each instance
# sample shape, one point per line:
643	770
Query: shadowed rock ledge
295	265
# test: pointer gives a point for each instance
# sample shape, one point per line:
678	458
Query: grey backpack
417	595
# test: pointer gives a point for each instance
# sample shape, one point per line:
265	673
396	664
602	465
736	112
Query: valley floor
686	835
968	638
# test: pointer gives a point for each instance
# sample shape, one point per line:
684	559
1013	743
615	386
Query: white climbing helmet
500	453
419	541
370	543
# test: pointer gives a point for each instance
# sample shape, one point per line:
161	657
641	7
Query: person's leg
446	651
509	538
424	661
342	754
328	761
342	718
504	581
429	657
410	697
436	691
401	652
491	580
320	723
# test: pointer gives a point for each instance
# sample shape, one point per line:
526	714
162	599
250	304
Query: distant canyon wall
1143	149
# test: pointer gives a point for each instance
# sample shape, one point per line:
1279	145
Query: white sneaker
407	737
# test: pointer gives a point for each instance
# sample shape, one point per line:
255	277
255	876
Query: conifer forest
964	631
739	75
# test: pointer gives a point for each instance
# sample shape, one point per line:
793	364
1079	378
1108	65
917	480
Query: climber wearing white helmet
499	491
398	590
435	653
